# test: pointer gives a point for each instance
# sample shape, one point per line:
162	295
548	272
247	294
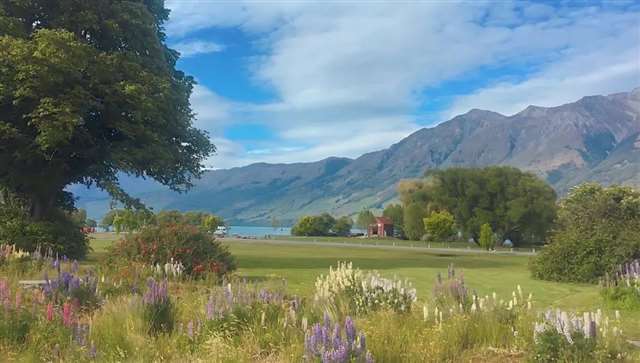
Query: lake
253	231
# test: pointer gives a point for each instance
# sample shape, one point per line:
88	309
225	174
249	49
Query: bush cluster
598	229
197	251
59	233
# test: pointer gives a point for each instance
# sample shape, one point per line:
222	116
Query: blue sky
288	81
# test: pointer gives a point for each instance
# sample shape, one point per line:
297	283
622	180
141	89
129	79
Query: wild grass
267	312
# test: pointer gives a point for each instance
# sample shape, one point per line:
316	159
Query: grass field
486	273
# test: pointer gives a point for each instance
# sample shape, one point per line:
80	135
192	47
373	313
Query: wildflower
190	329
50	312
67	314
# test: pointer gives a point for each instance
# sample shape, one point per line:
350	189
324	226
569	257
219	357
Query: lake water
252	231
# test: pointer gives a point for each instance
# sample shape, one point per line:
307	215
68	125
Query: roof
383	220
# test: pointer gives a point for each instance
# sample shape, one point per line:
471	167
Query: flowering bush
452	289
81	291
159	312
333	343
563	336
621	289
364	291
197	252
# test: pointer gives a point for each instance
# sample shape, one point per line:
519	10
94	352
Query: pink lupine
67	314
49	312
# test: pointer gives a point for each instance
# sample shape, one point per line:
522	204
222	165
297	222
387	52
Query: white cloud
349	76
195	47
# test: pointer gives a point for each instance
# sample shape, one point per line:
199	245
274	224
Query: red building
383	227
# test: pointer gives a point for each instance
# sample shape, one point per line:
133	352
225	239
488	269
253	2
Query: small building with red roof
382	227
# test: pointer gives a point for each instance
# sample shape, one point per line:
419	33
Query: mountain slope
596	138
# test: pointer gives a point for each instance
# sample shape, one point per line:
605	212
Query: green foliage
439	226
413	218
90	90
518	205
487	240
551	346
322	225
365	218
343	226
15	324
597	229
60	233
198	251
395	212
621	297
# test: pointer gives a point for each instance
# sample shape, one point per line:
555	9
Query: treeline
323	225
508	204
130	220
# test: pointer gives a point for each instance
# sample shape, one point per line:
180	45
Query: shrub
198	252
487	240
439	226
451	290
597	230
82	291
60	233
364	292
566	337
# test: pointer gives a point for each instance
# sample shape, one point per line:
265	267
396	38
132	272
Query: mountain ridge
593	138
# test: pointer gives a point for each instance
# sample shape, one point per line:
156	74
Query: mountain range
596	138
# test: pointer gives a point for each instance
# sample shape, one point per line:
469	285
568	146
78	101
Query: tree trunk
42	206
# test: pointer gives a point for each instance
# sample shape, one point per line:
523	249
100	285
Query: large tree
89	90
517	205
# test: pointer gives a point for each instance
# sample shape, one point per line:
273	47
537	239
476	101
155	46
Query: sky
287	81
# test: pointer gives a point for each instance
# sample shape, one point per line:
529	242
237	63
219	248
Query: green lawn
486	273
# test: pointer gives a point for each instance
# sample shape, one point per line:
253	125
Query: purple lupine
210	308
157	292
350	330
325	341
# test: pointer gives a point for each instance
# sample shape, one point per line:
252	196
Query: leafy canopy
439	226
517	205
89	89
598	229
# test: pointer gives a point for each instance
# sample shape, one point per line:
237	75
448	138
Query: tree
365	218
342	226
90	90
91	223
414	214
439	226
107	220
598	229
395	213
308	226
518	205
487	240
210	223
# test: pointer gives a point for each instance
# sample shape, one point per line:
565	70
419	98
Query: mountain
596	138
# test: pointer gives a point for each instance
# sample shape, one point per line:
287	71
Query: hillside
596	138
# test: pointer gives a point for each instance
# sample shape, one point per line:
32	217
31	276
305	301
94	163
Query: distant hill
596	138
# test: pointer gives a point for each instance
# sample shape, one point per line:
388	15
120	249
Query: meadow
486	273
311	302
